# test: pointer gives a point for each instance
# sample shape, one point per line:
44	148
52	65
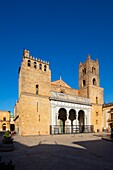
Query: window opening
37	106
96	100
94	82
4	119
35	65
40	66
45	68
29	63
84	83
37	88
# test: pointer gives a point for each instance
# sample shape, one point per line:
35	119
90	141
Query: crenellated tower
89	86
33	106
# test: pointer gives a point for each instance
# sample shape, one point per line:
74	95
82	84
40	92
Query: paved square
61	152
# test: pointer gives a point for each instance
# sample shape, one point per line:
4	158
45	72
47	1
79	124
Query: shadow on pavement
83	155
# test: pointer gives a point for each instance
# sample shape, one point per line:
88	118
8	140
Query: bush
7	138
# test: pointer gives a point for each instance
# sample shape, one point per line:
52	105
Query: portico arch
63	117
72	117
81	116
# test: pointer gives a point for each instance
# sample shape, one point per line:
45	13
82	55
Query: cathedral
46	107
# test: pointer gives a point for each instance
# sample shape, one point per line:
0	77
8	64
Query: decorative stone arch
81	119
63	117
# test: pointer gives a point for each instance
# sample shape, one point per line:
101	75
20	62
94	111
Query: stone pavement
61	152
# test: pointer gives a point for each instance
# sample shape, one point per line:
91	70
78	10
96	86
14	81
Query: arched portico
63	117
81	120
72	117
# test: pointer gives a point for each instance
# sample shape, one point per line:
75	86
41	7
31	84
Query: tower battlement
26	54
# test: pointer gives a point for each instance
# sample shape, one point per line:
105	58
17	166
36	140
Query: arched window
93	70
4	127
29	63
35	65
94	82
37	88
96	100
84	83
84	71
45	68
40	66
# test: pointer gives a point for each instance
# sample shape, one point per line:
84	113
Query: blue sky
62	32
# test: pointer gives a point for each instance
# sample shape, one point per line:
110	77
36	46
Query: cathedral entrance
72	117
81	115
63	117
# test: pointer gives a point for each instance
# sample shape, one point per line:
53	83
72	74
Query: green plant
7	134
7	138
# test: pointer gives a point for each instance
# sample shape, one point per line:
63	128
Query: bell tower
33	106
89	86
89	73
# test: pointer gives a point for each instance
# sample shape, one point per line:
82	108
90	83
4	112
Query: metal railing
68	129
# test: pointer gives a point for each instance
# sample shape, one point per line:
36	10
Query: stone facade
107	116
4	120
41	102
33	106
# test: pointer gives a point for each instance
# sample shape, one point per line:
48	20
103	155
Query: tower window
96	100
84	83
37	106
37	88
40	66
96	113
29	63
84	71
35	65
45	68
39	118
94	82
93	70
96	122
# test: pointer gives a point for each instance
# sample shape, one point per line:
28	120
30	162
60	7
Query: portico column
77	122
68	120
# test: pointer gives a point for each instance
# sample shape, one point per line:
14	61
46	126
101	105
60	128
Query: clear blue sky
62	32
